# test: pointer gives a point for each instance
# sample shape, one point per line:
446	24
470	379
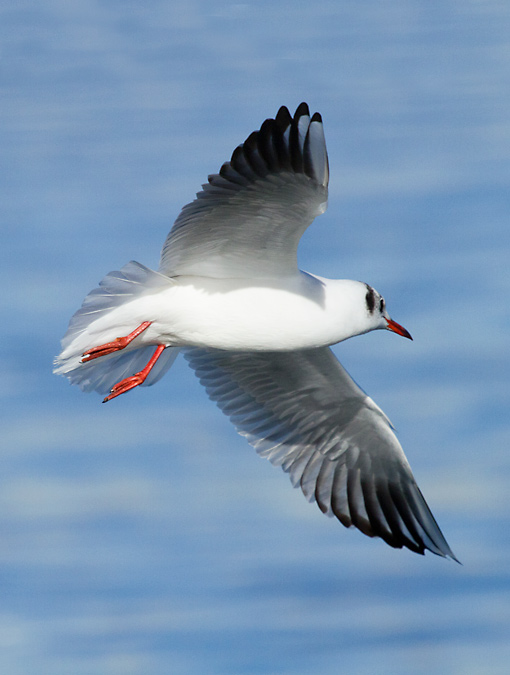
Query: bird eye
381	305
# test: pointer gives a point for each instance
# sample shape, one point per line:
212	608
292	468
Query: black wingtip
453	557
301	110
285	143
283	117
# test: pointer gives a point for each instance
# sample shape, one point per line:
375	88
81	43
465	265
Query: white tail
116	289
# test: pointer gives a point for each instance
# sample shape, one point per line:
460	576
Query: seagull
257	331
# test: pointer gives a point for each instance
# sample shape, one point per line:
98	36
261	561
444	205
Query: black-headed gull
256	330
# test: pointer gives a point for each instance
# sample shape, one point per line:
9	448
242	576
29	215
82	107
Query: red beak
398	329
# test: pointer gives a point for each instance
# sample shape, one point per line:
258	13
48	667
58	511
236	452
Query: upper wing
303	411
249	218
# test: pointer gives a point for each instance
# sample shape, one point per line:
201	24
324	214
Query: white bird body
297	312
257	331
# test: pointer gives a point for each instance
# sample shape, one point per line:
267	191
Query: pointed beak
398	329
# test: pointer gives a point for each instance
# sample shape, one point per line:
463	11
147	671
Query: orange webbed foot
135	380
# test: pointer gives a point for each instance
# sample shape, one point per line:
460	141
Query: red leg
115	346
136	379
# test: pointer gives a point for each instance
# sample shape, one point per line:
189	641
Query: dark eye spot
370	299
381	305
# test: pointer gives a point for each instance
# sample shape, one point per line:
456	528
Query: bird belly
222	315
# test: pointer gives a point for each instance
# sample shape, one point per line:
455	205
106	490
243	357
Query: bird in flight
257	331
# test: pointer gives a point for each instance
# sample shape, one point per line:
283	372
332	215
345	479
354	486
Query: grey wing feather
304	413
248	219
